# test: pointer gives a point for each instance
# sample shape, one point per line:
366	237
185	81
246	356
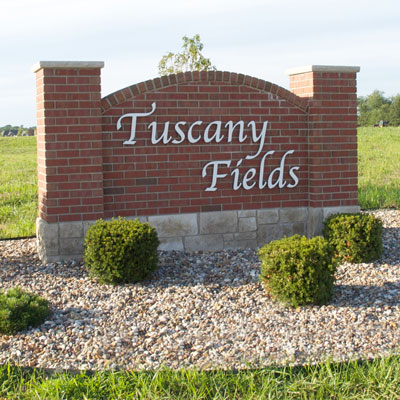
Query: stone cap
321	68
67	64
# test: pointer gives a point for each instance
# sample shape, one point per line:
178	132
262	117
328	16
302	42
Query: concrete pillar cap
67	64
321	68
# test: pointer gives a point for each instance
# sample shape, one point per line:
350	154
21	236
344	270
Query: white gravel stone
202	309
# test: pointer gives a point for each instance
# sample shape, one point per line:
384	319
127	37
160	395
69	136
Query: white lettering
213	133
217	134
164	137
256	138
294	177
215	175
261	183
231	127
248	176
280	170
190	136
179	131
134	119
235	174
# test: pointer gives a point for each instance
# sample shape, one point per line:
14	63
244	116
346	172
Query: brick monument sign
211	159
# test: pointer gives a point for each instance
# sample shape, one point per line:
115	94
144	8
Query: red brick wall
332	135
81	154
69	143
148	179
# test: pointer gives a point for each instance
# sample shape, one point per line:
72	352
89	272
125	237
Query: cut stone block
241	244
47	239
174	225
268	216
245	235
168	244
71	229
293	214
218	222
71	246
314	222
204	242
248	224
268	233
246	213
46	230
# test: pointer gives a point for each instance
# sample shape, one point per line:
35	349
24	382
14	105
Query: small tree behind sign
190	59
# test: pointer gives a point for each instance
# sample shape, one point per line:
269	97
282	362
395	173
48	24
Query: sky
261	38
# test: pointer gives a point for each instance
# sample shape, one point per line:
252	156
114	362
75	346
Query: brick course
332	133
69	142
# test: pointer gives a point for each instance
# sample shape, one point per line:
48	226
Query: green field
18	186
379	177
379	167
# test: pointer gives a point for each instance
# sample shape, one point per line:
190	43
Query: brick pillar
332	97
69	154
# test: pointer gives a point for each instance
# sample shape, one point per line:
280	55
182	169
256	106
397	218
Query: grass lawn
377	379
18	186
379	167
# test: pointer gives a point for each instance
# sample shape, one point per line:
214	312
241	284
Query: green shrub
297	270
20	310
355	237
121	251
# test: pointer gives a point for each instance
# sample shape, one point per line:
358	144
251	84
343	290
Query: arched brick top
129	92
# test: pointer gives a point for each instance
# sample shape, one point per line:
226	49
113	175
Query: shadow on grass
276	370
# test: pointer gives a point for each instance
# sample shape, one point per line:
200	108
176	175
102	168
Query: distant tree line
10	130
374	108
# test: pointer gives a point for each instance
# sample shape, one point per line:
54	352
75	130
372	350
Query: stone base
208	231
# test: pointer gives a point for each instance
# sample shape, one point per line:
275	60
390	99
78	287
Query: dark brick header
114	99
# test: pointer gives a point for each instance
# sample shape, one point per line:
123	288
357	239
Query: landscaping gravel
204	310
